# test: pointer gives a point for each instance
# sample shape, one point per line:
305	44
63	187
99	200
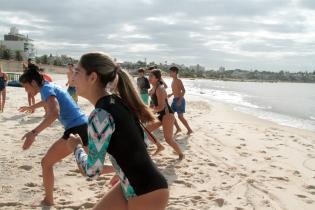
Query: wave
279	118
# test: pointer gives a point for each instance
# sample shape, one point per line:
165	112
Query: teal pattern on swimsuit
100	129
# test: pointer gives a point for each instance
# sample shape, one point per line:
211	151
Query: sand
232	161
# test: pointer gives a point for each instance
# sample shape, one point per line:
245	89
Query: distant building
221	69
18	42
197	68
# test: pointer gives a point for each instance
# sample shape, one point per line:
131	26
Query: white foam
279	118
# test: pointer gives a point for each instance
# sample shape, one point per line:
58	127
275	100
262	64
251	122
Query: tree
37	60
44	59
18	55
7	54
2	49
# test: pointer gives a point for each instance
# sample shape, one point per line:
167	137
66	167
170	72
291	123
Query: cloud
261	34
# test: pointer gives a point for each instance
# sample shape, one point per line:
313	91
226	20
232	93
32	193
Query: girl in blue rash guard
59	105
114	128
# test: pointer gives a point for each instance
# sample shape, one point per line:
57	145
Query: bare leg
4	92
33	100
56	152
29	98
156	200
113	200
0	101
178	129
184	121
152	127
168	124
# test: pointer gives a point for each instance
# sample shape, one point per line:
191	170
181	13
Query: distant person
3	84
179	103
164	111
151	68
60	106
30	98
71	88
143	86
46	76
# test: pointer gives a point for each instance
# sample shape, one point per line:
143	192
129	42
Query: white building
18	42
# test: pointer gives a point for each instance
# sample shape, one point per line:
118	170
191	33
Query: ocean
290	104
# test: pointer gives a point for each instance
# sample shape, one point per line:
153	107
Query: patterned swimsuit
113	129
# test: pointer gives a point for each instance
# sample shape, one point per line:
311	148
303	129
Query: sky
267	35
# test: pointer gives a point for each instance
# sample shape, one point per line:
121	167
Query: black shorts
82	130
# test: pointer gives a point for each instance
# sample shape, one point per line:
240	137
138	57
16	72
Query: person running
179	103
46	76
3	91
143	86
59	105
71	88
164	111
30	98
115	127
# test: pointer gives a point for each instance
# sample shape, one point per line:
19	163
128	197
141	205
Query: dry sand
233	161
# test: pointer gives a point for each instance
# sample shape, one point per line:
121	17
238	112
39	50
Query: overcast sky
249	34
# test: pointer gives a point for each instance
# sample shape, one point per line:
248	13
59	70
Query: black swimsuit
167	109
137	172
2	82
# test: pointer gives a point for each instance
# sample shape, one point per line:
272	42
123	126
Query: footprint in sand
70	174
219	201
286	179
26	167
310	189
212	164
31	184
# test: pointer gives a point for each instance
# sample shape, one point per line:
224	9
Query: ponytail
32	74
128	92
108	71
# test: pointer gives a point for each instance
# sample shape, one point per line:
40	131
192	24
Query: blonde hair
107	70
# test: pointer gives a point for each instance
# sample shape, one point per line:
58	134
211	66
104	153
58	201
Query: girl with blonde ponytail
114	127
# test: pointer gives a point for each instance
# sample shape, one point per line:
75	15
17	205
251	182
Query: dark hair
41	70
107	70
174	69
70	64
141	70
32	74
157	74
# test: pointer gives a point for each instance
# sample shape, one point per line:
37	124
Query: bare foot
46	203
189	132
181	156
177	131
43	203
158	150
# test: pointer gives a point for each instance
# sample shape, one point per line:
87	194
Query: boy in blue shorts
179	103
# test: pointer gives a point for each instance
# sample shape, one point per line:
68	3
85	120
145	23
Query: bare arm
32	108
160	94
53	113
182	88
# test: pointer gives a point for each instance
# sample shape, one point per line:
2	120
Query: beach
233	160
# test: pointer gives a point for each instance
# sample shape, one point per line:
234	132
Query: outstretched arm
32	108
92	164
53	112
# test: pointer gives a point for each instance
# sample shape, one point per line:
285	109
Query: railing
14	76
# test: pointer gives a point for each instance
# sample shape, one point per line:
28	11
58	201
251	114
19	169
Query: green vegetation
230	75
